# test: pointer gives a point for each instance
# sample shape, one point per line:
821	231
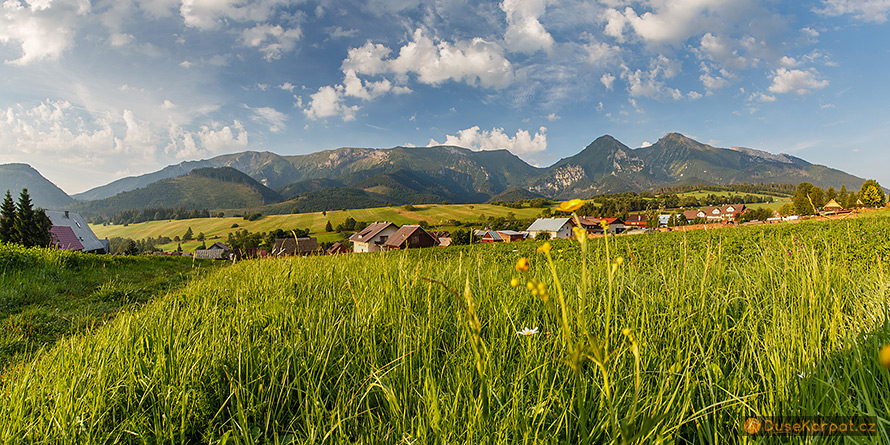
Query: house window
383	238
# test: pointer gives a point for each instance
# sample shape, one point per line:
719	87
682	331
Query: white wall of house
563	233
373	244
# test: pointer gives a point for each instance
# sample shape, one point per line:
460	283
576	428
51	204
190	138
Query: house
371	238
444	238
636	220
410	236
832	207
556	227
490	236
71	232
510	236
692	215
217	251
336	248
595	225
729	212
295	246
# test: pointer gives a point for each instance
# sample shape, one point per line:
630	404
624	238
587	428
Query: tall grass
678	342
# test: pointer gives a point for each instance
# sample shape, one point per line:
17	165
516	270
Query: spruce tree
7	220
24	220
188	235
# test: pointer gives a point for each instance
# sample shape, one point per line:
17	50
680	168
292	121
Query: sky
92	91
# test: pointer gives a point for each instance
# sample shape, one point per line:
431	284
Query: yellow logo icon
752	425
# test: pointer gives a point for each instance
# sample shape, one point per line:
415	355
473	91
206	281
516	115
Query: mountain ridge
410	175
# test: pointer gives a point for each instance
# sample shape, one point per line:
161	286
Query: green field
678	341
50	294
315	222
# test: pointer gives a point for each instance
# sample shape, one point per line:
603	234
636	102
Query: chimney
66	213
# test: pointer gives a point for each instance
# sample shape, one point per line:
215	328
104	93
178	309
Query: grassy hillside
679	341
47	295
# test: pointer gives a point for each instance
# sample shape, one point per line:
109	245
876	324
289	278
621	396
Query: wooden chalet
410	236
295	246
337	248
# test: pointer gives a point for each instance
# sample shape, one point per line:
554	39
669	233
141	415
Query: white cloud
44	30
865	10
287	86
210	14
608	80
670	21
270	117
327	102
521	143
475	62
601	52
552	117
167	105
337	32
649	83
720	49
525	33
796	81
272	40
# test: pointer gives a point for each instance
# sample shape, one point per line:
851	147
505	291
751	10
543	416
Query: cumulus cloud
608	80
43	30
865	10
670	21
495	139
796	81
475	61
72	137
330	100
271	40
525	33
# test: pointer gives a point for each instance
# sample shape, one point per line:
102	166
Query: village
71	232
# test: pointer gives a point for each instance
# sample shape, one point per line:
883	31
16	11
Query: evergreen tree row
22	224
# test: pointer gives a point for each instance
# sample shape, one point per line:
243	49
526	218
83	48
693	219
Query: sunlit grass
680	340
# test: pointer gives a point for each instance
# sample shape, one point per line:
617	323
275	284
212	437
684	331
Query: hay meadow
668	338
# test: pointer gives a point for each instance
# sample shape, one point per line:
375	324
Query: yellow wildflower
514	282
522	265
884	355
545	248
571	205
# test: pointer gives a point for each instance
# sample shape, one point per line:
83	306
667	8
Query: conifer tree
7	220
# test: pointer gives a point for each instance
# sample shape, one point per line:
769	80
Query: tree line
22	224
133	216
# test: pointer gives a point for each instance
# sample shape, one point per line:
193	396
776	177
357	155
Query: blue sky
94	91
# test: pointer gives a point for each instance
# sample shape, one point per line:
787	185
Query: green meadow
669	338
220	227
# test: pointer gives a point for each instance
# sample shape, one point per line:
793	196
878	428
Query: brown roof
368	233
337	248
219	245
691	214
637	217
402	236
291	246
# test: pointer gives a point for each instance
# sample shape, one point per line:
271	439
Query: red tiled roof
64	237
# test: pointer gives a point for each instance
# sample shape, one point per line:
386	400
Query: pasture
673	337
